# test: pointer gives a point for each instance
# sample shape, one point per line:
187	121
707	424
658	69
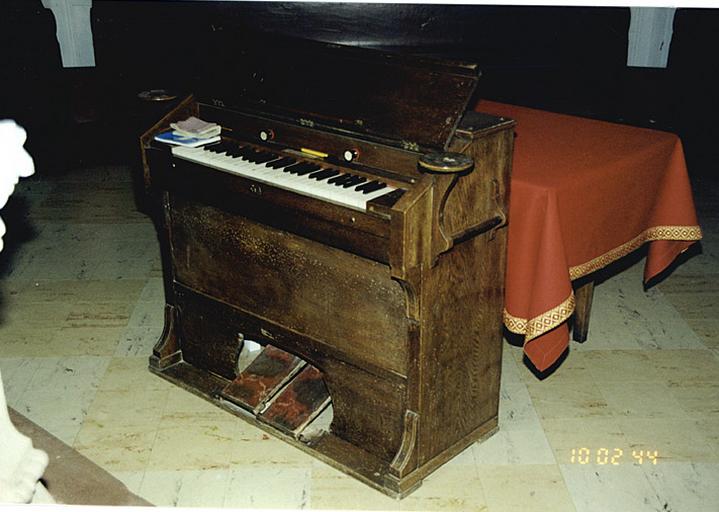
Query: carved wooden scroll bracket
406	459
166	351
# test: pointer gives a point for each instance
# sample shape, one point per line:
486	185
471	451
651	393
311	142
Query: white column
650	35
74	32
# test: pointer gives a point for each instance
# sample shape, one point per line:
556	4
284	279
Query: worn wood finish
347	98
398	309
263	378
357	232
275	275
583	295
298	403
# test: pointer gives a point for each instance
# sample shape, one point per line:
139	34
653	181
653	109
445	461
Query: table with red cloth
583	194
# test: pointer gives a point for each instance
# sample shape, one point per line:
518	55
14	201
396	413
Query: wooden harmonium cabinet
350	227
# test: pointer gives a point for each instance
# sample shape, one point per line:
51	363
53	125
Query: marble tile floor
629	421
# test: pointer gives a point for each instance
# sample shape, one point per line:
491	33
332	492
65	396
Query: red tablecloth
583	194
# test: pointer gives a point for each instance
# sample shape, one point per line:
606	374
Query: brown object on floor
262	378
70	477
299	403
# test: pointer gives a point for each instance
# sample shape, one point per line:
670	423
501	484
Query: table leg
583	296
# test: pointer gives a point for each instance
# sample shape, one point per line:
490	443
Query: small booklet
181	140
194	126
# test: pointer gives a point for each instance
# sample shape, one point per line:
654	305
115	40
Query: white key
262	173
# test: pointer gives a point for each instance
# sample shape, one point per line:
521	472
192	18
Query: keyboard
312	179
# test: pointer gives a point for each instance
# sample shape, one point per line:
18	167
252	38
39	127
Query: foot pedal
299	403
264	376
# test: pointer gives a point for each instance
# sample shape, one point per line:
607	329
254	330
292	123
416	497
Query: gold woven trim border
538	325
687	233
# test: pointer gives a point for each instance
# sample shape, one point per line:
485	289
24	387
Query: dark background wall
567	59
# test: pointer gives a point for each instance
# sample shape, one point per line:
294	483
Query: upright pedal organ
352	221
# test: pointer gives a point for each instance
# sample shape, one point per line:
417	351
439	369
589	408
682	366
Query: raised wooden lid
400	100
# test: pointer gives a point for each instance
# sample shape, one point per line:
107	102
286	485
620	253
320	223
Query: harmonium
334	266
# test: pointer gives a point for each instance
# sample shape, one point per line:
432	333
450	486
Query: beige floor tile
673	439
697	304
259	448
195	444
17	374
465	458
73	291
27	341
684	366
275	487
685	486
117	449
526	487
137	341
99	314
707	329
86	340
620	365
183	405
601	488
185	488
332	489
153	291
510	368
641	400
51	315
516	410
448	488
131	479
131	373
593	436
697	399
147	314
568	398
514	446
61	389
126	408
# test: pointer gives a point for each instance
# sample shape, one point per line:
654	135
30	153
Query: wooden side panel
463	298
307	287
483	193
368	411
462	340
207	341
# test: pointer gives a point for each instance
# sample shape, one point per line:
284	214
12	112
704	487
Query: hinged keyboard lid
400	100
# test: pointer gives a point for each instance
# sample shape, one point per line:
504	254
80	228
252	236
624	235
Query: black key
256	156
310	168
323	174
294	169
290	168
282	162
365	185
246	153
344	179
376	186
356	180
219	148
267	157
341	177
234	152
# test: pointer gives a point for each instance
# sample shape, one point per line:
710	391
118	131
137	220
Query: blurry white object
21	465
15	162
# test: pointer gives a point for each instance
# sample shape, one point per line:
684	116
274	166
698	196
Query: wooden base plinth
326	446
